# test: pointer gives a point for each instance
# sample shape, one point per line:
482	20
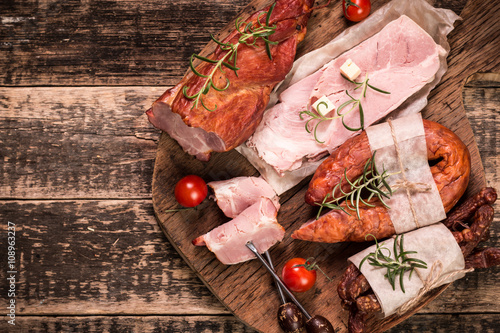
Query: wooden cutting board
247	289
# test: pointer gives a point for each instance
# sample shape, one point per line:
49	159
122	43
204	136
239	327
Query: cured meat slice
237	194
239	107
401	59
256	223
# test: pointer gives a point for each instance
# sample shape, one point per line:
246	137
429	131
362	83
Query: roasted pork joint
218	104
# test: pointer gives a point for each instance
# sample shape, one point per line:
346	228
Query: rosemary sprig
317	115
353	102
396	267
248	36
371	180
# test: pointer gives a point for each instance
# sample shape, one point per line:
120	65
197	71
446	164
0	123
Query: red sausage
450	173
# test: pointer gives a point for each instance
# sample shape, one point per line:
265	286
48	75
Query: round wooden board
247	289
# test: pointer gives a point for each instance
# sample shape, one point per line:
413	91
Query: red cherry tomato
356	10
190	191
298	278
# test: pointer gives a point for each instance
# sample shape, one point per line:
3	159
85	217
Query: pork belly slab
257	223
237	194
239	108
401	59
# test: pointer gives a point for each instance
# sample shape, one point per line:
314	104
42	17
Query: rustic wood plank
50	136
117	42
109	257
481	100
475	41
252	289
480	104
97	257
112	42
76	142
54	48
197	324
449	323
150	324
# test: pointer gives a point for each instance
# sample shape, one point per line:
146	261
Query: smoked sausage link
450	168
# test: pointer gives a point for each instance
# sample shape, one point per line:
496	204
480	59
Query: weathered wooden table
76	161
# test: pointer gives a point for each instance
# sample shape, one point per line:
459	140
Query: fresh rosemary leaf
356	103
219	42
230	67
370	180
221	89
250	34
361	117
377	89
205	59
268	16
194	69
268	51
397	267
184	91
206	107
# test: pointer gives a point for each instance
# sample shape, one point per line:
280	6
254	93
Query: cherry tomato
190	191
298	278
356	10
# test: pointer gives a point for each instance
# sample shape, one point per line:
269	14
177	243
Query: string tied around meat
434	279
412	186
404	183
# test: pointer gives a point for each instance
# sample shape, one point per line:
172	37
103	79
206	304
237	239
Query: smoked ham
401	59
257	223
235	195
239	107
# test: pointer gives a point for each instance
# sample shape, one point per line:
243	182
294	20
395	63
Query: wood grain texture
242	287
76	142
224	324
97	257
113	42
149	324
67	151
469	295
105	42
474	43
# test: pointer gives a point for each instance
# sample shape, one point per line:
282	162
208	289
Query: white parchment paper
435	245
410	209
436	22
